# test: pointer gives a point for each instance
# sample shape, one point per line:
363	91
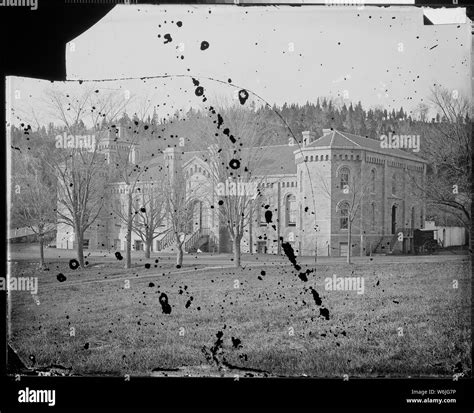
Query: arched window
344	177
372	180
290	209
394	184
344	215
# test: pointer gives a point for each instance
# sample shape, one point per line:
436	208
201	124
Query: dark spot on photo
199	91
234	164
164	304
243	96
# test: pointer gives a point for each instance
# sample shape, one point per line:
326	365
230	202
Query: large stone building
315	191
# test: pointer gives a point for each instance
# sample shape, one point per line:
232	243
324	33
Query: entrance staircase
202	239
390	244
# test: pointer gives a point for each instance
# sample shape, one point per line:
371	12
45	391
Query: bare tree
129	169
148	212
82	172
178	204
349	197
421	111
236	156
32	195
447	146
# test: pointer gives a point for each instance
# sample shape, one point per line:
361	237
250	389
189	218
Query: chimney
326	131
308	137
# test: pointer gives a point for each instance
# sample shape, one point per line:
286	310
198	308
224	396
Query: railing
374	250
166	241
407	233
192	242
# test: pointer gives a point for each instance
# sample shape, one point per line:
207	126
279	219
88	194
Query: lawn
410	321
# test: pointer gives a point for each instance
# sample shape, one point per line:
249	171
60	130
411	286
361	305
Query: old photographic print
245	192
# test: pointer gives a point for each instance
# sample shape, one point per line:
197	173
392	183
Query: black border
33	45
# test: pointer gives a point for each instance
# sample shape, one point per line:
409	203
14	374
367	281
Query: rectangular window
261	214
344	216
291	211
261	247
344	222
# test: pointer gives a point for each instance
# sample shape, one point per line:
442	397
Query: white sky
386	55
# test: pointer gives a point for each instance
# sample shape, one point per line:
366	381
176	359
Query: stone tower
313	165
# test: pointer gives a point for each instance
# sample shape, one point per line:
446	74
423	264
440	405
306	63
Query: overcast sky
380	56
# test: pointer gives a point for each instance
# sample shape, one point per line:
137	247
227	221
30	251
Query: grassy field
121	330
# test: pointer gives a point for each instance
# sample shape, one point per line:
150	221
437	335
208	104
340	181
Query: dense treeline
286	121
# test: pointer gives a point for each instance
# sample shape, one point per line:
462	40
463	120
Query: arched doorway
394	219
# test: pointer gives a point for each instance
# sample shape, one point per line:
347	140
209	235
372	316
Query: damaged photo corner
245	192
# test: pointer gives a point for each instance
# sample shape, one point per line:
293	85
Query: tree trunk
179	255
41	250
236	251
80	248
128	252
251	231
148	247
349	242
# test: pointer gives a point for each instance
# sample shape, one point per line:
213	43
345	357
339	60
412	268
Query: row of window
326	157
290	212
344	215
197	169
316	158
343	208
344	174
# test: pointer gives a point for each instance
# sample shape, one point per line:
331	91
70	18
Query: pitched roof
273	160
336	138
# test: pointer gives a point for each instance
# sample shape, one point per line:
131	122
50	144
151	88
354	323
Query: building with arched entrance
316	193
